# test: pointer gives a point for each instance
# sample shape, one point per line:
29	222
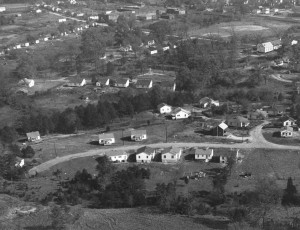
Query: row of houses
124	83
170	154
109	138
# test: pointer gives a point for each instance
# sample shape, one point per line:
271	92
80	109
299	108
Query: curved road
256	141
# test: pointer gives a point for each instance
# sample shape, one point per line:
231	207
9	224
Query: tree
289	196
26	66
28	152
105	170
160	30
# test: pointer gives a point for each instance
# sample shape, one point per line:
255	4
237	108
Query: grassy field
269	136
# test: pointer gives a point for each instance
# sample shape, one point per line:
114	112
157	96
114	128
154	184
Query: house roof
276	42
167	84
138	132
171	150
285	118
240	119
33	134
122	81
287	128
145	149
223	126
177	110
102	80
203	151
76	80
116	153
205	100
162	105
106	136
143	82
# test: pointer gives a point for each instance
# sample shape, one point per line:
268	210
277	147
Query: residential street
256	141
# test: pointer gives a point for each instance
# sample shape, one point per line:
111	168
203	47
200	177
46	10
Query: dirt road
256	141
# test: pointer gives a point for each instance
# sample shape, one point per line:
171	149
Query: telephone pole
166	133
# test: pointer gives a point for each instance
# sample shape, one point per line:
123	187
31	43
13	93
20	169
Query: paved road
256	141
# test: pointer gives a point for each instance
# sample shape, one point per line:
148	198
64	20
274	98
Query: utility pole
166	133
55	149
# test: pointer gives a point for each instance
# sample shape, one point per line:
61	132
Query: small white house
287	121
19	162
138	135
94	17
107	139
46	39
38	11
208	102
62	20
171	155
102	82
205	154
168	85
77	83
180	113
117	156
37	41
164	108
238	121
26	44
286	131
27	82
123	83
2	9
145	154
265	47
294	42
33	136
18	46
152	50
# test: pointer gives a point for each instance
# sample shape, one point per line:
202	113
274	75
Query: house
256	11
145	154
219	129
265	47
146	16
167	16
123	83
177	11
62	20
144	84
126	48
171	155
164	108
46	39
19	162
117	156
2	9
102	82
257	115
165	47
37	41
287	121
180	113
238	121
77	83
276	44
138	135
168	85
33	136
294	42
150	42
205	154
152	50
208	102
38	11
27	82
275	110
94	17
286	131
107	139
266	10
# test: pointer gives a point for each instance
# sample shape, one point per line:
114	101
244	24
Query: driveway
256	137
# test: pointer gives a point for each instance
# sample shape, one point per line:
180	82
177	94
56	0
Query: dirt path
257	141
278	78
60	15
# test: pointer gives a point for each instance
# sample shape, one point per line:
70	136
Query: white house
294	42
2	9
46	39
152	50
33	136
180	113
287	121
265	47
168	85
38	11
208	102
171	155
27	82
18	46
123	83
126	48
37	41
145	154
165	47
19	162
164	108
94	17
286	131
77	83
150	43
144	84
138	135
62	20
238	121
107	139
117	156
204	154
102	82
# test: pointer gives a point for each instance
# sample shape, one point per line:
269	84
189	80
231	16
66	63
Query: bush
27	152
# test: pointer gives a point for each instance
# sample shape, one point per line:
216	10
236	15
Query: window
165	156
172	156
147	157
139	156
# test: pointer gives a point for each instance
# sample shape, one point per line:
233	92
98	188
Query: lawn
269	136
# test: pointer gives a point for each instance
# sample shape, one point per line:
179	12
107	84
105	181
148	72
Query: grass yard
269	136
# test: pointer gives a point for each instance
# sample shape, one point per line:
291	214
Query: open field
8	116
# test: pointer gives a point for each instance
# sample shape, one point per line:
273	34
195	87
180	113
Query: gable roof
167	84
276	42
145	149
138	132
205	100
106	136
122	81
162	105
286	118
143	82
203	151
171	150
33	134
103	80
177	110
116	153
76	80
240	119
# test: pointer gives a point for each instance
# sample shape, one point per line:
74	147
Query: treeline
102	113
6	20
